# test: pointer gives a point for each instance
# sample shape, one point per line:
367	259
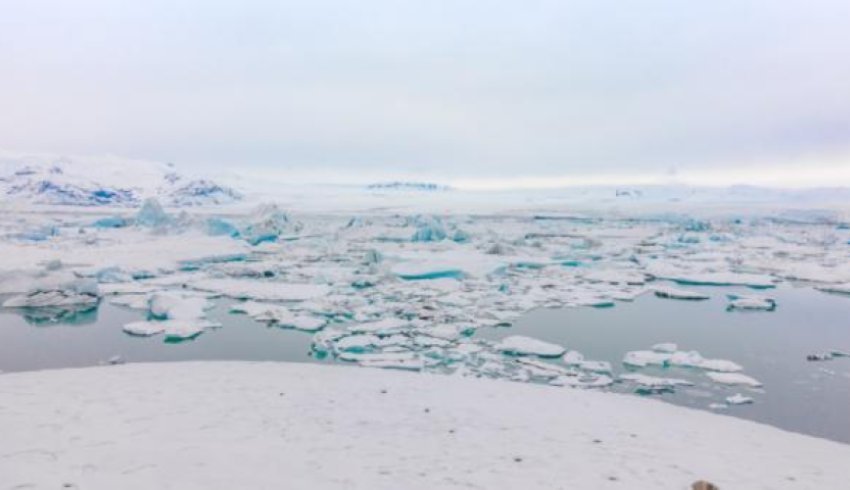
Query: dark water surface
798	395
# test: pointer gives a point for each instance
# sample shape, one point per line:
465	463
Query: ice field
715	299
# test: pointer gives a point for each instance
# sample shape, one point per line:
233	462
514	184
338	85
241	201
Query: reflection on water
53	315
809	397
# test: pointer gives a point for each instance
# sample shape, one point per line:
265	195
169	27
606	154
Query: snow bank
273	425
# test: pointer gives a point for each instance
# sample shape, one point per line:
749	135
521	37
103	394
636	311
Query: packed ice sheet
383	288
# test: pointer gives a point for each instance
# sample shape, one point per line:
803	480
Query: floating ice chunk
573	358
521	345
596	366
134	301
144	328
738	399
383	326
600	381
172	329
544	369
115	360
408	361
357	343
643	358
279	315
411	273
221	227
653	384
151	215
733	379
751	303
449	331
324	340
173	306
183	330
721	365
668	347
111	222
429	229
634	278
718	406
759	281
67	293
267	224
305	323
428	341
686	359
261	290
673	293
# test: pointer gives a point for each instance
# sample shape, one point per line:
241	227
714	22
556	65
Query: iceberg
221	227
428	229
151	215
267	223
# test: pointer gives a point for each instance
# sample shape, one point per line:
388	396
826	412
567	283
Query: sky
478	93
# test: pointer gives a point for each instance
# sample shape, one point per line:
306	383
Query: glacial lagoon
799	395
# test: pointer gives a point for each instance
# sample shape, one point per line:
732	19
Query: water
798	395
92	340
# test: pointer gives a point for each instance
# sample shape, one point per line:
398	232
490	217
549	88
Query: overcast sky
480	92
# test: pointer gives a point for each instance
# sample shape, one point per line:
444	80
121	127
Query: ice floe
733	379
674	293
522	345
751	302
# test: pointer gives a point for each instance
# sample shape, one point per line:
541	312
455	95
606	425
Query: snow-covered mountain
408	186
94	181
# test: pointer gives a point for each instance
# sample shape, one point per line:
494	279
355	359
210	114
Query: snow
178	425
521	345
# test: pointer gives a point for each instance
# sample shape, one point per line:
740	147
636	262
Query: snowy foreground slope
277	425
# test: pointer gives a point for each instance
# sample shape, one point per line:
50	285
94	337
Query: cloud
450	90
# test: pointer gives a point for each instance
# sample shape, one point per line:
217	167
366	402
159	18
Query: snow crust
227	425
